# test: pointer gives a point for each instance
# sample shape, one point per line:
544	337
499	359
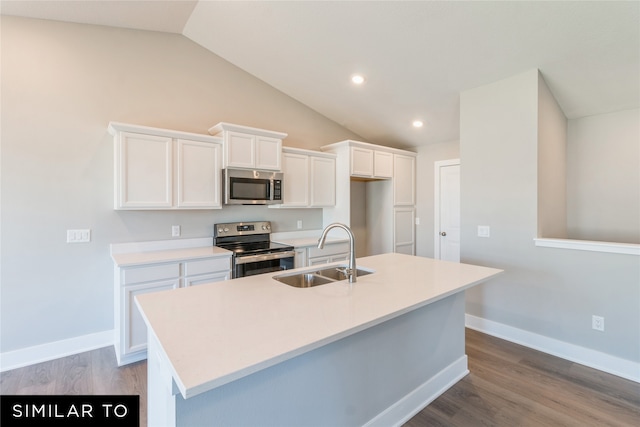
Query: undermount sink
308	279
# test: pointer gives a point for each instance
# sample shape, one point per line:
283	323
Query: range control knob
226	229
219	230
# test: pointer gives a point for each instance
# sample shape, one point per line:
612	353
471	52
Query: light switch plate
484	231
79	236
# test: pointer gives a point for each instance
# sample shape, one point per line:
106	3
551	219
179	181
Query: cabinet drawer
204	266
329	249
150	273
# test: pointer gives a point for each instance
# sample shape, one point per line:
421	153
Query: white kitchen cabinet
323	181
198	173
134	332
309	178
295	167
382	164
370	163
197	272
300	257
372	180
404	230
404	180
165	169
131	332
361	162
130	281
250	148
143	177
332	252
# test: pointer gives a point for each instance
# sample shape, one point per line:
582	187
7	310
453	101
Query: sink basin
318	277
303	280
338	272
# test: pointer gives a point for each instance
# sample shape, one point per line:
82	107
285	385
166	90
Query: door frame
436	202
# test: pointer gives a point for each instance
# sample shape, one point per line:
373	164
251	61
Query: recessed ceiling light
417	123
357	79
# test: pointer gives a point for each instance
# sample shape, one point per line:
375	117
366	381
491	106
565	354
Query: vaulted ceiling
416	56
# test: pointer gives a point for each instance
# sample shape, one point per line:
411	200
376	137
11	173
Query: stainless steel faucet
351	271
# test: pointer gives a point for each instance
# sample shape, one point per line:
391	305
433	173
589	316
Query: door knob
443	233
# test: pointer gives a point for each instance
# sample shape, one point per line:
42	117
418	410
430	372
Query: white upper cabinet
323	181
165	169
295	168
367	162
143	171
250	148
309	178
199	178
382	164
404	180
361	162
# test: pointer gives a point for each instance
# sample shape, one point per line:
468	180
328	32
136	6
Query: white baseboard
584	356
404	409
54	350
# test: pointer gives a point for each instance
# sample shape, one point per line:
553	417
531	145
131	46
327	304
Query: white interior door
447	210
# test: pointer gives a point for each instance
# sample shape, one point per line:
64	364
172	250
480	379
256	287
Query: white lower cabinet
134	332
332	252
131	331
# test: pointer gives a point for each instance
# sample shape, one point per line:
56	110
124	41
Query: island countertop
217	333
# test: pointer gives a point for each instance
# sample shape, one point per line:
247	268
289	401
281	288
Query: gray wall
547	291
603	187
61	85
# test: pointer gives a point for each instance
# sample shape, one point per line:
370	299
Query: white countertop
214	334
176	255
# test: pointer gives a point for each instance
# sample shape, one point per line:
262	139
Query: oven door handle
265	257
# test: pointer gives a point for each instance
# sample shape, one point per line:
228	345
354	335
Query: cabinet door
240	150
319	260
143	171
301	257
207	278
404	180
198	174
361	162
323	181
404	230
268	153
382	164
296	179
134	334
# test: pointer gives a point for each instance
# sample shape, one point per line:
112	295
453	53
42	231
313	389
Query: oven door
251	265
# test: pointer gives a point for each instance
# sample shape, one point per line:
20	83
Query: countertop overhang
217	333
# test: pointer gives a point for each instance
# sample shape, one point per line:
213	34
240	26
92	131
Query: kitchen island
254	351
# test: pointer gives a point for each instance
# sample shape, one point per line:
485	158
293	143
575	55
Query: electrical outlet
484	231
417	221
597	323
175	231
299	224
79	236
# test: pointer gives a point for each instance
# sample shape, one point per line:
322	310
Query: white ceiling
417	56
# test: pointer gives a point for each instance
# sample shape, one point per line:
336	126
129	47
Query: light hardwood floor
509	385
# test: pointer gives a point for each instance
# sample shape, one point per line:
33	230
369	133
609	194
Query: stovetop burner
247	238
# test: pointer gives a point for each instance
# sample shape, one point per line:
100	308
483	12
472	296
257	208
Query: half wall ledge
590	245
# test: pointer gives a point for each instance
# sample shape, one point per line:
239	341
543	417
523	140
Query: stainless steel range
253	250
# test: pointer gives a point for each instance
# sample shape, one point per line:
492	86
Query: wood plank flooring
509	385
93	373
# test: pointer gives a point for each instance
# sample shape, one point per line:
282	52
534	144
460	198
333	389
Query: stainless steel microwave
252	187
